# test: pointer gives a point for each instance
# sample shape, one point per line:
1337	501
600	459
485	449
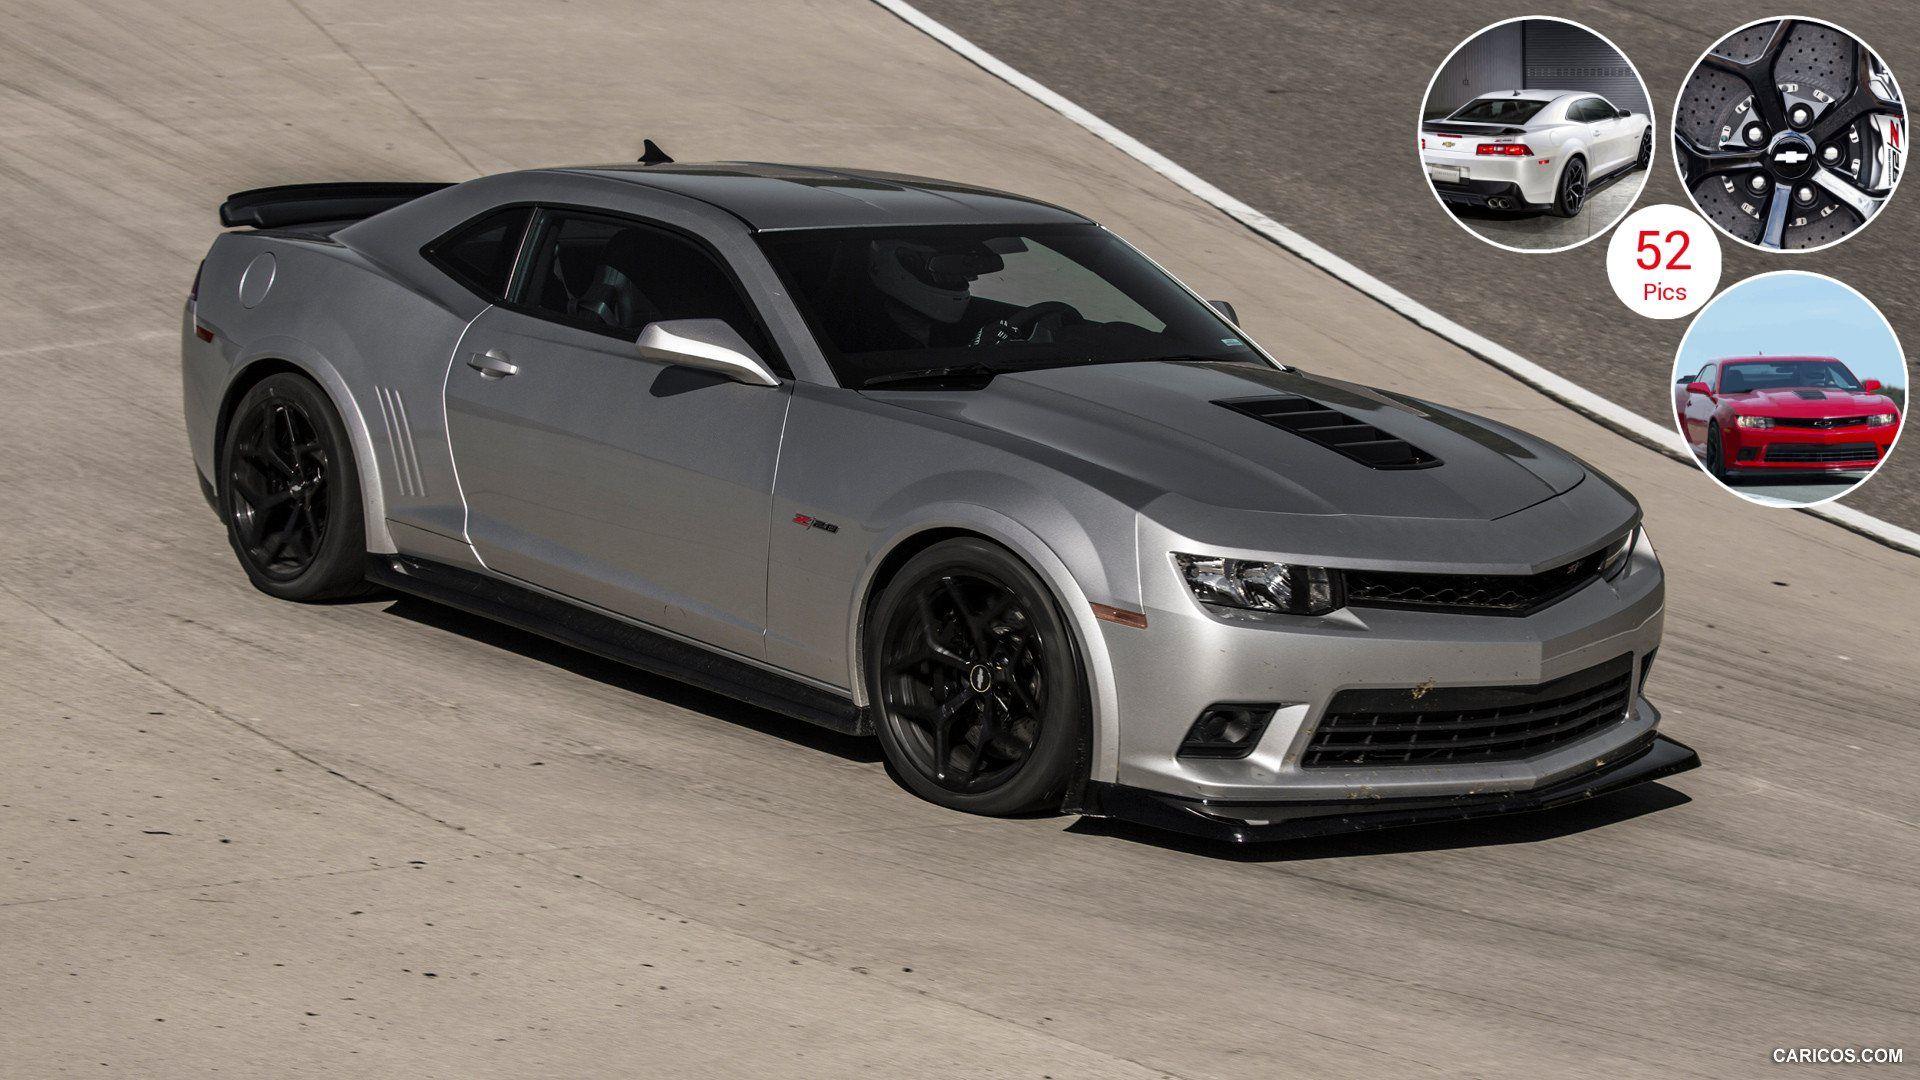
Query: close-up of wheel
1572	193
977	693
1788	134
290	493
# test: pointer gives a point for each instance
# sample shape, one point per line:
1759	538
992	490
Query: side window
480	253
614	277
1706	374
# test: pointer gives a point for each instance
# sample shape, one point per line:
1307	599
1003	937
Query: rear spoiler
1467	127
305	204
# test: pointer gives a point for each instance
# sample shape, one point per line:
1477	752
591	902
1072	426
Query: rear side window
480	253
614	276
1590	109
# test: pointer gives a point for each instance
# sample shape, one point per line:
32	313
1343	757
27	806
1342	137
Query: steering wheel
1035	320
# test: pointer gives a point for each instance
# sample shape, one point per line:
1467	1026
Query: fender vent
1334	430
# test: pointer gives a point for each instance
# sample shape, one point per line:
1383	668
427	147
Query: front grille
1864	451
1481	594
1819	423
1334	430
1455	724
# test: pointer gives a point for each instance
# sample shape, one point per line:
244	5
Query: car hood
1806	402
1160	424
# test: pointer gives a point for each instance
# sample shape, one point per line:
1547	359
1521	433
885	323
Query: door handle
492	364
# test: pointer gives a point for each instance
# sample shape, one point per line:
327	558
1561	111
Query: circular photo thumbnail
1536	134
1790	134
1790	389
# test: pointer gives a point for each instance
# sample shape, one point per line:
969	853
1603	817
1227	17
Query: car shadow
633	680
1526	828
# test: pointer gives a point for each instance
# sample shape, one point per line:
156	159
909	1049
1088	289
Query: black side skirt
616	640
1650	758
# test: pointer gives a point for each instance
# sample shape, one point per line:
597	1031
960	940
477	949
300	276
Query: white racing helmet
926	279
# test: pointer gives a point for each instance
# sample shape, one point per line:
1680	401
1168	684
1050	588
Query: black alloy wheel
978	695
1646	150
290	494
1573	189
1787	134
1716	454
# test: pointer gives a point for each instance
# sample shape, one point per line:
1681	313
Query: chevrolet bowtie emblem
1791	157
1448	143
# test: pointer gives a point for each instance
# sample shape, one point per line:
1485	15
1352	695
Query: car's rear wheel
1572	193
976	687
290	493
1716	454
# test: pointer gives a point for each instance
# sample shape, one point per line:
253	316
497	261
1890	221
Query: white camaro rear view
1533	150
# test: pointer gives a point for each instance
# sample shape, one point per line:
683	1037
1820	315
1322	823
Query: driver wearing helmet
923	292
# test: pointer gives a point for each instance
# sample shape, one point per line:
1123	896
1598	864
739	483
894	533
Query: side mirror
705	345
1871	386
1697	387
1226	309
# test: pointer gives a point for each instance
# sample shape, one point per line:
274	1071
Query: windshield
1505	110
1777	374
886	303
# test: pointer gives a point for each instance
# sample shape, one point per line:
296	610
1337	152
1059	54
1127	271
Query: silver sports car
957	468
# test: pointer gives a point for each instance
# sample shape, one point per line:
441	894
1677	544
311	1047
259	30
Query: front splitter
1653	757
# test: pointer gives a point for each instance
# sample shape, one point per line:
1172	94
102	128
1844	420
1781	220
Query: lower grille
1469	723
1815	452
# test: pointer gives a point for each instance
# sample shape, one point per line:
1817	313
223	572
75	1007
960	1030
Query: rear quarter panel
378	346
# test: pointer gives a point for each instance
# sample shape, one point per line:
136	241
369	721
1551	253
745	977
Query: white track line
1561	389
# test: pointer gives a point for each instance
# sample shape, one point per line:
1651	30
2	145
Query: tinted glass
892	301
480	253
616	276
1498	111
1786	374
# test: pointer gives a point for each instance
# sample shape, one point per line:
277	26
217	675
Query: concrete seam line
1576	397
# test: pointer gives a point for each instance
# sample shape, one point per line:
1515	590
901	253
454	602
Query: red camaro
1761	415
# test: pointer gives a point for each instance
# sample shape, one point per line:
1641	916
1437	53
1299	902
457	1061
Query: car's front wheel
1716	454
1572	193
290	493
976	687
1646	150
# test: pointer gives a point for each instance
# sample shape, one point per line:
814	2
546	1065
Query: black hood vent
1811	395
1334	430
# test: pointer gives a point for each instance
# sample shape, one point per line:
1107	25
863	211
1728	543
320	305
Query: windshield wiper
973	376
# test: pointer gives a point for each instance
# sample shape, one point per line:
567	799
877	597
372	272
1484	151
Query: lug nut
1755	134
1830	155
1800	116
1757	184
1803	195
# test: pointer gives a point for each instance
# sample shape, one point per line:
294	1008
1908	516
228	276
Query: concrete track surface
252	838
1306	110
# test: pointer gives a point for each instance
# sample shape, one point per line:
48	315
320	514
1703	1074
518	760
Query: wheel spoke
1698	163
1775	232
967	618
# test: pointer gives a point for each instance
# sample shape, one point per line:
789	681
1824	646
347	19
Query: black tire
1716	454
963	614
289	492
1571	195
1646	151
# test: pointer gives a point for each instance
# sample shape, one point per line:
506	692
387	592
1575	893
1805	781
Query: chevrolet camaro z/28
953	467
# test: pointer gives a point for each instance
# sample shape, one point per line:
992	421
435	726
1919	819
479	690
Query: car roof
1779	359
771	197
1533	95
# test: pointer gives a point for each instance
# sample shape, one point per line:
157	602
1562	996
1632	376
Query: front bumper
1756	452
1648	758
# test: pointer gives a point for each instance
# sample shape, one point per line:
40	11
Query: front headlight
1260	586
1881	420
1614	559
1761	422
